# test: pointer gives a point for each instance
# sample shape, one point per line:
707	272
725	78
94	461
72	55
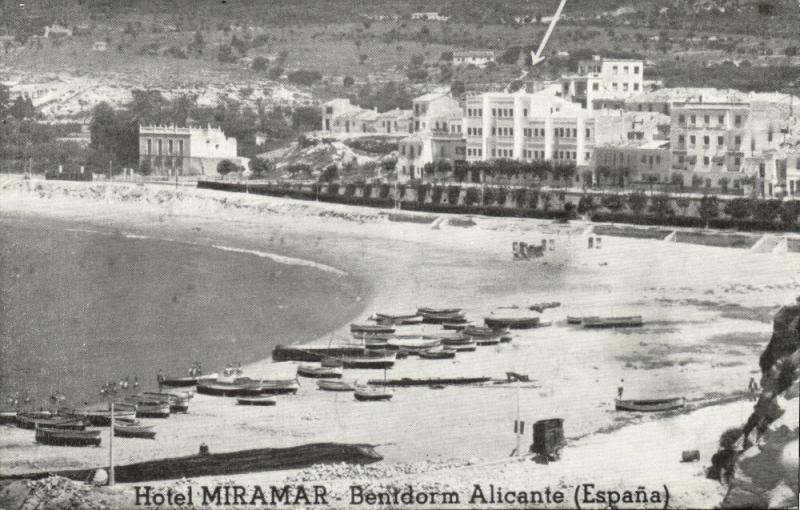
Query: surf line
282	259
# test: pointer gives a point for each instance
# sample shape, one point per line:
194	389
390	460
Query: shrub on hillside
304	77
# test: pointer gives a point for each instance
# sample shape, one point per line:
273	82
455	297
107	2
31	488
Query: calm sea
80	308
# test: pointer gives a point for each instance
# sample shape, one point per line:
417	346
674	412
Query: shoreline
574	372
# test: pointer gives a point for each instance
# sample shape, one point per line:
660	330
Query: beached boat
439	381
439	354
368	394
456	326
47	420
134	430
651	405
456	340
177	403
505	339
63	437
442	318
370	329
367	361
319	372
487	341
468	347
153	410
540	307
410	321
186	380
102	417
399	319
375	343
613	322
226	389
571	319
268	387
428	309
8	417
511	322
483	332
414	343
333	385
262	400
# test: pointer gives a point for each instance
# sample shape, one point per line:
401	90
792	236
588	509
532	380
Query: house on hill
479	58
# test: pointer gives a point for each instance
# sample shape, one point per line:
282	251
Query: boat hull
255	401
61	437
612	322
651	405
335	386
135	431
512	323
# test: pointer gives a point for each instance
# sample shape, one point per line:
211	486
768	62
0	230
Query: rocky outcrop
765	474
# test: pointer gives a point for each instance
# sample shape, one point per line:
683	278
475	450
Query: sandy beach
707	314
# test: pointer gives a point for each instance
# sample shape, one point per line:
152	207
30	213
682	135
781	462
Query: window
588	156
494	131
706	140
624	87
160	148
614	68
403	150
737	141
721	119
493	153
658	160
525	112
595	86
692	140
494	112
681	119
720	141
635	69
694	119
511	131
681	159
625	69
588	133
180	147
574	155
705	160
738	120
706	119
644	159
169	146
614	86
681	140
511	153
149	146
769	136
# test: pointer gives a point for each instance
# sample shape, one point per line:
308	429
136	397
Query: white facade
603	82
476	58
185	150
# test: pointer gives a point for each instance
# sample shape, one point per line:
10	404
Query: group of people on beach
124	384
15	400
195	370
230	369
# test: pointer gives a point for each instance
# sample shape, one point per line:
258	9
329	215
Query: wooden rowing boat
319	372
439	354
613	322
379	361
332	385
102	417
177	403
446	381
370	328
153	410
413	343
63	437
483	332
268	387
368	394
428	309
186	380
468	347
134	430
455	326
442	318
224	389
256	401
511	322
42	420
571	319
650	405
487	341
456	340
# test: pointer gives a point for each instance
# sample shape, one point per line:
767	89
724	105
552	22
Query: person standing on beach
620	389
752	388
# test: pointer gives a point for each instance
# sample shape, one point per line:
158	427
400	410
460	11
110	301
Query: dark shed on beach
548	437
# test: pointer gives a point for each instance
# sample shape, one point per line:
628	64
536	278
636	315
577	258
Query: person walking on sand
620	389
135	383
752	388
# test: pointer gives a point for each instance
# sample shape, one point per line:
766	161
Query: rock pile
51	493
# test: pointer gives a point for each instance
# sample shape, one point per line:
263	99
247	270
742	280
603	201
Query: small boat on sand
224	389
186	380
442	318
398	319
440	354
571	319
375	343
468	347
153	410
177	403
511	322
63	437
331	385
379	360
431	310
483	332
487	341
368	393
456	340
46	420
505	339
613	322
256	401
319	372
455	326
370	328
8	417
269	387
102	417
413	343
651	405
134	430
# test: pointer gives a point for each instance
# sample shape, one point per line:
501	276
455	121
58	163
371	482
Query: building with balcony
171	150
416	151
793	172
535	127
478	58
340	116
632	161
603	83
434	111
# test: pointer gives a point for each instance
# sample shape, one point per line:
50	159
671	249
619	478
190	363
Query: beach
707	314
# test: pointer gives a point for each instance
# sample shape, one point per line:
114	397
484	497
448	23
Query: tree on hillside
226	166
348	81
113	136
304	77
708	208
260	167
306	118
225	54
259	64
198	44
457	88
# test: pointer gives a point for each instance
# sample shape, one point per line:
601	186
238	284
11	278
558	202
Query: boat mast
111	448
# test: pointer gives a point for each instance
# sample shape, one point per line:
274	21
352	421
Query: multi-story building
633	161
434	111
419	149
478	58
532	127
185	150
603	83
341	116
793	172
